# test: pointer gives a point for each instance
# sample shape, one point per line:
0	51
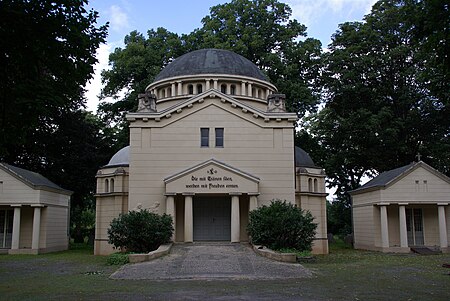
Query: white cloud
118	19
94	86
310	11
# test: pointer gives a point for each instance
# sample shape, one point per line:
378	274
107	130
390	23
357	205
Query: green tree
261	31
385	88
47	56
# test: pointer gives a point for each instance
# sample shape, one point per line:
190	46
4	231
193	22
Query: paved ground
211	261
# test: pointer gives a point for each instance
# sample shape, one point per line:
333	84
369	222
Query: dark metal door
212	218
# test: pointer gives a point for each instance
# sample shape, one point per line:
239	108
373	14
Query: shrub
117	259
282	225
140	231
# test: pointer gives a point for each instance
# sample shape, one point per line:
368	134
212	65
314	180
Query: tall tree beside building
386	94
47	55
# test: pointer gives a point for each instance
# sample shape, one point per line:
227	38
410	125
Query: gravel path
211	261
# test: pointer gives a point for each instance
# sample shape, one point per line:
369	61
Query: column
194	87
402	221
235	218
384	227
243	88
253	204
180	88
442	226
173	90
188	218
215	84
16	228
36	228
249	89
170	210
207	84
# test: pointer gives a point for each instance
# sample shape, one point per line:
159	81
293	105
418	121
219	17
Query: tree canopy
385	91
47	55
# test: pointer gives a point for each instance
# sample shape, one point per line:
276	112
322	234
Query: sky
321	17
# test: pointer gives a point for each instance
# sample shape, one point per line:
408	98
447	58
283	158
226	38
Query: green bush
282	225
117	259
140	231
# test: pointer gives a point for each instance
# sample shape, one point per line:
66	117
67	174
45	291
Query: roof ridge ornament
276	103
146	102
418	156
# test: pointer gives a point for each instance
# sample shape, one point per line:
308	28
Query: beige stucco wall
15	191
161	149
434	191
108	207
363	224
56	231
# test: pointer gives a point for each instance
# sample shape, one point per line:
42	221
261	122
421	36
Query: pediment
211	177
223	99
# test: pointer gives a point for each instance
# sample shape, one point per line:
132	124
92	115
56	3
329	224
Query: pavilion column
188	218
173	90
16	228
235	218
243	88
207	84
402	221
36	228
170	210
180	88
253	204
215	84
384	226
442	226
249	89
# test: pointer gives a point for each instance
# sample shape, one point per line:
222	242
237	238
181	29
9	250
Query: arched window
315	185
310	185
111	185
190	89
106	185
163	93
169	92
223	88
199	88
233	90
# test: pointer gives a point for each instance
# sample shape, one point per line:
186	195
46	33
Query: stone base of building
320	246
38	251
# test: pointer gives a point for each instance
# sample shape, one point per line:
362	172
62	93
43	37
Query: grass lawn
345	274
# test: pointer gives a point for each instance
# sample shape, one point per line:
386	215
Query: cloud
310	11
94	86
118	19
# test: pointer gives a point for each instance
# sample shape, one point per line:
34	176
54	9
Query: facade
403	208
34	213
211	140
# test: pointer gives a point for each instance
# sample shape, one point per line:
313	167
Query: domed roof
211	61
121	158
302	158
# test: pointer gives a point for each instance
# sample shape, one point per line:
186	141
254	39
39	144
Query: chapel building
211	140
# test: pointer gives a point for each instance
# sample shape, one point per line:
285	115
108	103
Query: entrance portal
212	218
414	226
